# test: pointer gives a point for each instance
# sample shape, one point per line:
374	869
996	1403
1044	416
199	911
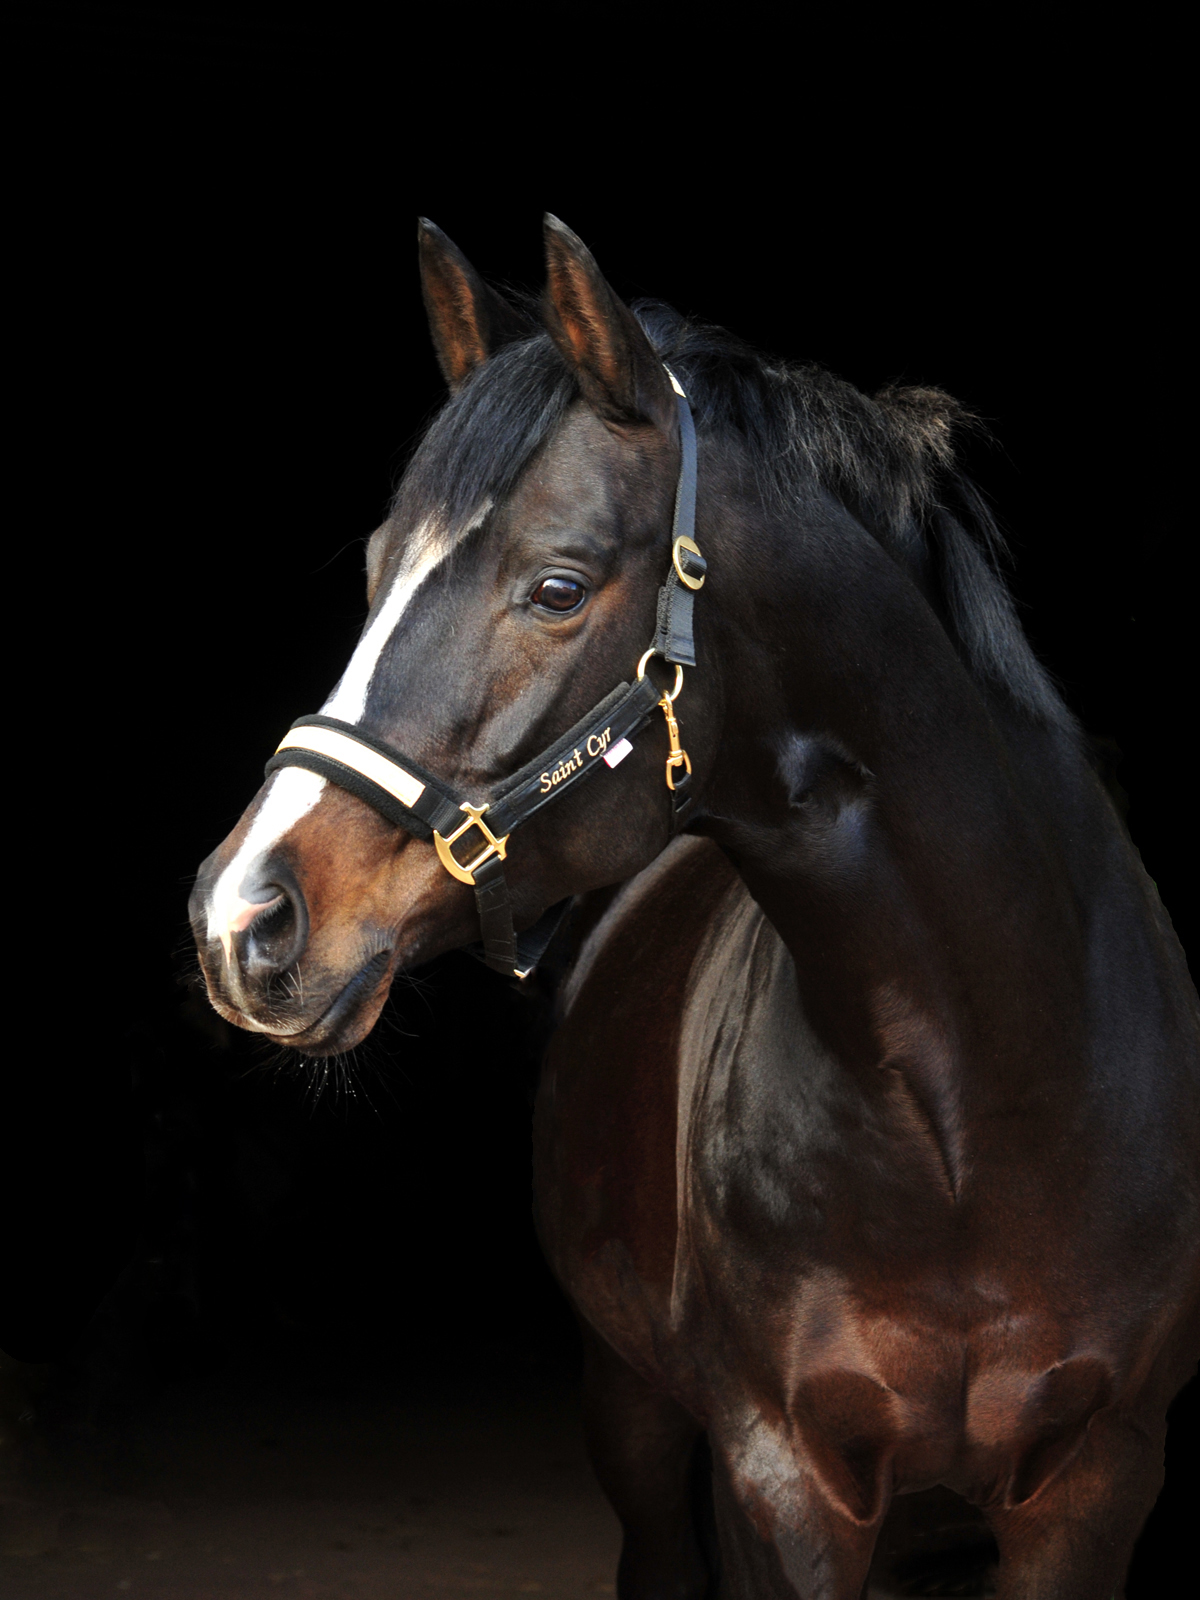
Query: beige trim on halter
359	758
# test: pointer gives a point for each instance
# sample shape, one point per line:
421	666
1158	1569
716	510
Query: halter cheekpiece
405	794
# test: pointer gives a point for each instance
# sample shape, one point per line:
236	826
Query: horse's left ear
621	377
467	318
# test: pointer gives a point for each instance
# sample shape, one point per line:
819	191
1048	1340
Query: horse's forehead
425	550
576	480
582	475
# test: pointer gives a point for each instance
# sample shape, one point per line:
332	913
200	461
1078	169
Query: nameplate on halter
359	758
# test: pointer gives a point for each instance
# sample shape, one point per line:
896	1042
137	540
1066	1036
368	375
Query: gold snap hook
678	756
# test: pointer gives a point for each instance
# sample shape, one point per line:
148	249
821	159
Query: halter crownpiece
403	793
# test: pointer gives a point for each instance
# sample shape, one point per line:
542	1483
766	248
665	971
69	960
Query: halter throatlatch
472	840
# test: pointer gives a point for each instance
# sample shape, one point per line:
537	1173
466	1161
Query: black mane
889	458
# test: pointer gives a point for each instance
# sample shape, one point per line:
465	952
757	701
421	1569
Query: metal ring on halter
641	672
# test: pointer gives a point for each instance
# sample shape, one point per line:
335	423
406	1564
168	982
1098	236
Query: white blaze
293	792
425	551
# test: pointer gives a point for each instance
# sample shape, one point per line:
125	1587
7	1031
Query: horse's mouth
331	1030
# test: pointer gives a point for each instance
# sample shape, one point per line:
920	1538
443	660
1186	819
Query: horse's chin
321	1040
344	1022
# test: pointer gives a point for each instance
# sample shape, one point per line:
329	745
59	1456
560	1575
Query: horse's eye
558	594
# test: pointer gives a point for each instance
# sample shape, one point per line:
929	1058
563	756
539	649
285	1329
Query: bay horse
866	1148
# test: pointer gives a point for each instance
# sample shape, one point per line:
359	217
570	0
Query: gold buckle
493	847
684	543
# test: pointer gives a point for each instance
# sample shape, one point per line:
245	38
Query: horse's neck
867	795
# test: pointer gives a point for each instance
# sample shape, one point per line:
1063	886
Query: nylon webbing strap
407	795
403	792
574	757
500	948
674	638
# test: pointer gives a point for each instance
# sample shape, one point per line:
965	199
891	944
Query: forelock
484	437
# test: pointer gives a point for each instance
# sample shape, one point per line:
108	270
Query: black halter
413	799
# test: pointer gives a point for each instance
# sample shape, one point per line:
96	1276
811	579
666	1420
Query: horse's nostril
273	926
275	921
251	911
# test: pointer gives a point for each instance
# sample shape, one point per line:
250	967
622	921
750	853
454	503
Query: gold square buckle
493	847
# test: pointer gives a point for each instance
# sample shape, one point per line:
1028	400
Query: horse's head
512	587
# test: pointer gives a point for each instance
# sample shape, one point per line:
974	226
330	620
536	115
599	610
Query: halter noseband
405	794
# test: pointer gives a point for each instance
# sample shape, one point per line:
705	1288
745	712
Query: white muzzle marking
292	793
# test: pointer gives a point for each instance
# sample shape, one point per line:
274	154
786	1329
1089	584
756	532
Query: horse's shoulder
607	1123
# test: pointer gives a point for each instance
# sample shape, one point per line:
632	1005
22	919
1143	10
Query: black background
224	363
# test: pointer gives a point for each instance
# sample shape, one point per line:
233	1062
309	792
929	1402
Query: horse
866	1143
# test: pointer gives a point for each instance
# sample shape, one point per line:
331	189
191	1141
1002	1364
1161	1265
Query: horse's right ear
467	318
619	374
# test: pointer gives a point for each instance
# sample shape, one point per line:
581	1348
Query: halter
405	794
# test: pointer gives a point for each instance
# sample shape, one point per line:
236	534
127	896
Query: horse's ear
621	377
467	318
